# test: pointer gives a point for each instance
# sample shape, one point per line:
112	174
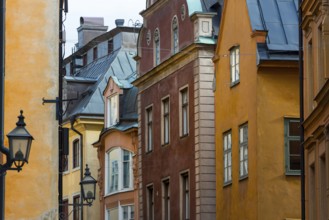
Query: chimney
90	27
119	22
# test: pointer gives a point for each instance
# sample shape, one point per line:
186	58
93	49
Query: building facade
31	74
257	111
117	151
316	107
176	151
100	54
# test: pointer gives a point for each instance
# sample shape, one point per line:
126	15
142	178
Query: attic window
110	46
112	110
235	65
95	53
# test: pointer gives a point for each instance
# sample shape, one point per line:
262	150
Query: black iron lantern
20	142
88	184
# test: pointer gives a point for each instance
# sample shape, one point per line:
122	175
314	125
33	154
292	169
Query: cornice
321	107
169	66
154	7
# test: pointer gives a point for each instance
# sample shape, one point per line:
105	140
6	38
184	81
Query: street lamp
88	184
20	142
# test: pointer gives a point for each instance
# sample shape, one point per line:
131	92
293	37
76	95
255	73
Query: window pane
126	169
294	147
295	162
294	128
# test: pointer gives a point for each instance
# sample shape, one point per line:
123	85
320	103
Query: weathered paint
31	74
262	98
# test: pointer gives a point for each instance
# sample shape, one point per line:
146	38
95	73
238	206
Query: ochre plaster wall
31	74
262	98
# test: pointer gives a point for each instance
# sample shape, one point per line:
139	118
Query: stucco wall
31	74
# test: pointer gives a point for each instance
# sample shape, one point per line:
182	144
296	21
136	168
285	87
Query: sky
109	9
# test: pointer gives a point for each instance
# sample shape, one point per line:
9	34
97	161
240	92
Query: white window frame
185	195
165	120
112	117
175	35
184	118
157	47
235	65
149	129
148	205
165	198
243	150
227	149
120	180
130	216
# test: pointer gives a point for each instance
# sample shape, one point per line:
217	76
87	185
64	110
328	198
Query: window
227	157
110	46
234	63
71	68
76	153
243	142
65	214
127	212
184	111
76	209
166	199
150	202
118	170
292	145
112	110
149	129
112	214
157	46
185	196
165	121
95	53
175	46
65	161
84	59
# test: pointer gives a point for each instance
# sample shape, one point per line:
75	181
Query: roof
280	19
120	65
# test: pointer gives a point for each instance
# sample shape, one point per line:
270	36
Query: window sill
184	136
117	192
148	152
75	169
165	145
227	184
290	173
235	83
242	178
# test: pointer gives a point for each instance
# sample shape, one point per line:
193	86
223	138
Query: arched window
118	170
175	41
157	46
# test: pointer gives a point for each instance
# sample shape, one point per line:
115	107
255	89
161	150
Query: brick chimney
90	27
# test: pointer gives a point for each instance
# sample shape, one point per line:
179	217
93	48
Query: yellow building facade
256	114
31	74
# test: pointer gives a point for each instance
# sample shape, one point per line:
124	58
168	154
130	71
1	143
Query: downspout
301	106
2	97
72	120
60	111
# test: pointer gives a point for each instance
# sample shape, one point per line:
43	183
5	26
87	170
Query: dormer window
110	46
112	117
175	40
157	47
95	53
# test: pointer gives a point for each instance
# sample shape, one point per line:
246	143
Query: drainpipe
301	104
72	120
2	90
60	111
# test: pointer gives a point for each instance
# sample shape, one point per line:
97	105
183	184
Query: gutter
72	120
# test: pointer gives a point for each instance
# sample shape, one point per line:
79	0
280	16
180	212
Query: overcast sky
109	9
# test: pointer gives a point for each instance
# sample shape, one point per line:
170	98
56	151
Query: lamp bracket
57	102
83	204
